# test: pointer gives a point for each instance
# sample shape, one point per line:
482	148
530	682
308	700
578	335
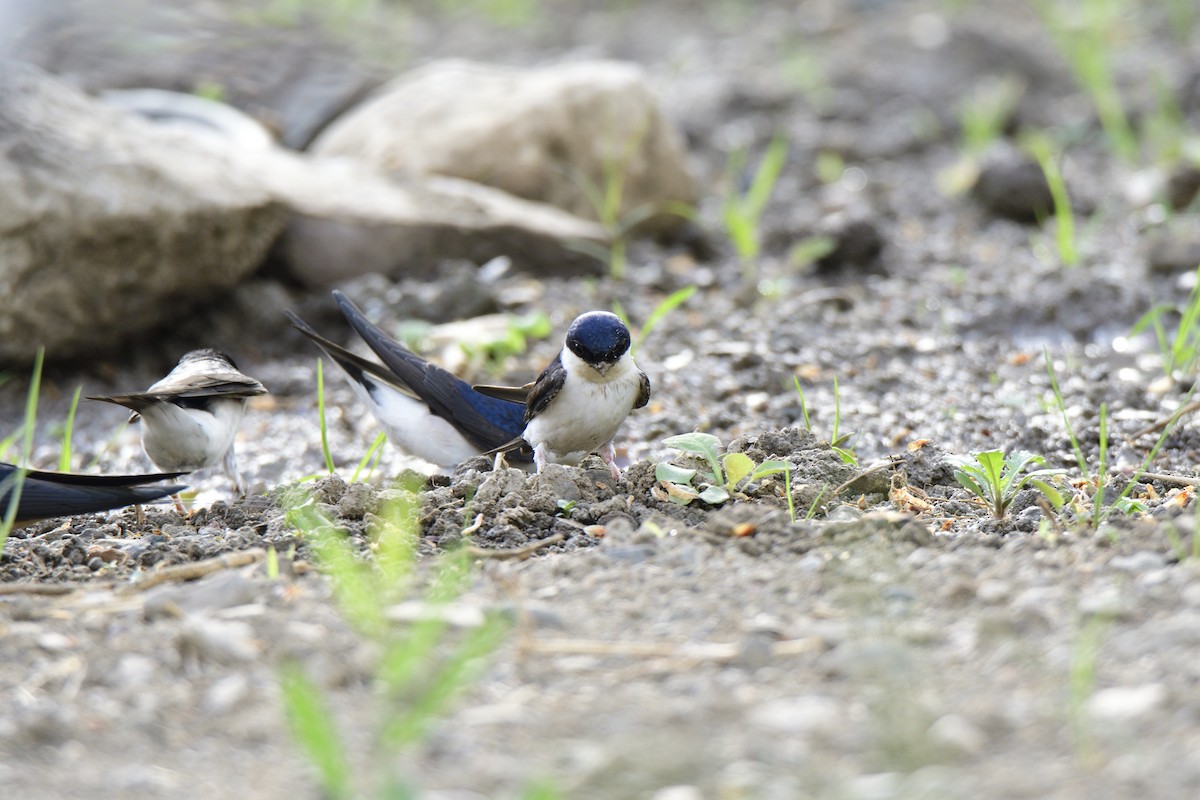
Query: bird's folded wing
514	394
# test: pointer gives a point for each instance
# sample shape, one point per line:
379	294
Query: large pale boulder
110	225
552	134
349	221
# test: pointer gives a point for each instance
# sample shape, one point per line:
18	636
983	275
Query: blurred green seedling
491	355
660	312
1180	352
743	209
423	664
997	479
727	475
1043	150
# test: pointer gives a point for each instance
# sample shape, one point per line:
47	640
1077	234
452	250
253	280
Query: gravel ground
899	643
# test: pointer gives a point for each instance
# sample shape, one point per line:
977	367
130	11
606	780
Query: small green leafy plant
727	475
996	479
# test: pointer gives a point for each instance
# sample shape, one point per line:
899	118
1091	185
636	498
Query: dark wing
643	391
61	494
134	402
355	365
205	381
485	422
545	388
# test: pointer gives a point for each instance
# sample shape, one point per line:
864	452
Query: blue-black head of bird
599	338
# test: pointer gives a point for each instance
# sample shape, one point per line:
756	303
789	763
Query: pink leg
540	459
609	454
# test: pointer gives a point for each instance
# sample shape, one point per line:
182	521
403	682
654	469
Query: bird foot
609	454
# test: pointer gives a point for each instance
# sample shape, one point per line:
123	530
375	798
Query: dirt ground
898	643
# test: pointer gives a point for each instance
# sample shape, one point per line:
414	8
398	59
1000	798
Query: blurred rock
349	221
108	223
856	239
192	113
1173	250
551	134
1012	185
1183	185
292	75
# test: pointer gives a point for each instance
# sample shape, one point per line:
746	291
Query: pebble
222	590
226	694
679	792
54	642
876	786
810	713
1126	703
1191	595
215	640
992	591
1105	601
1141	561
958	734
920	557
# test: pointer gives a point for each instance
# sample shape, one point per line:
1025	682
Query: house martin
63	494
191	417
578	402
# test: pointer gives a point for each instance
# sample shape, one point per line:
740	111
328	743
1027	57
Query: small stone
1141	561
1012	185
54	642
1105	601
1191	595
876	786
678	793
920	557
134	671
222	590
226	694
958	734
757	402
1173	251
812	713
1126	703
218	641
993	591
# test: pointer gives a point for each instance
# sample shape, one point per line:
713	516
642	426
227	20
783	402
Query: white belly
188	439
583	417
412	427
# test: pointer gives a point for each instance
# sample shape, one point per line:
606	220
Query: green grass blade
669	304
313	727
1064	219
1062	409
803	403
765	177
321	414
27	430
370	458
64	456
